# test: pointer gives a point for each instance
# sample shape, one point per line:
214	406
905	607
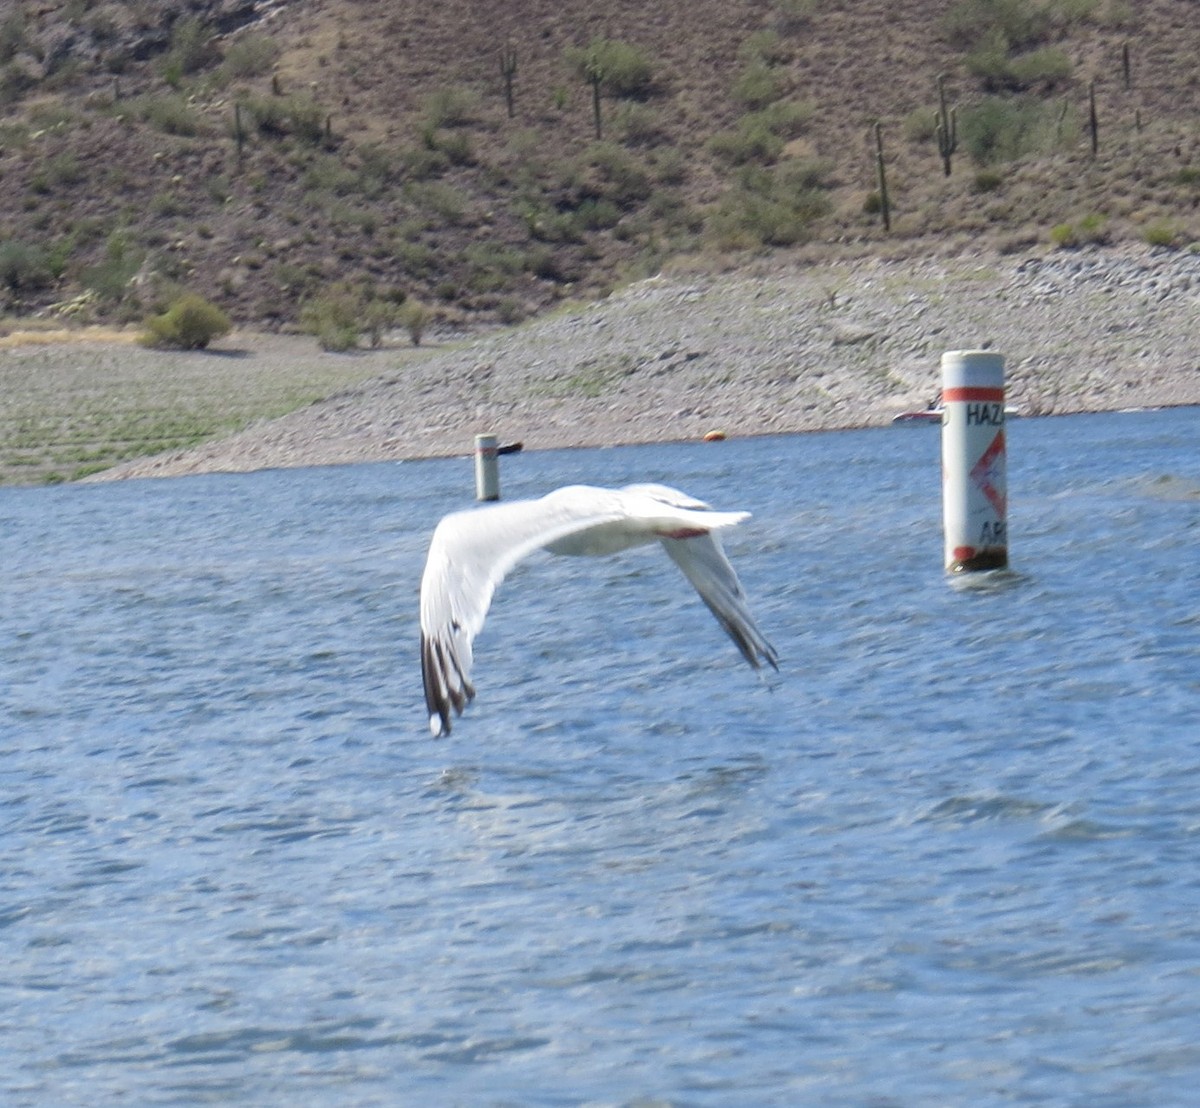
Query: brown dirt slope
377	154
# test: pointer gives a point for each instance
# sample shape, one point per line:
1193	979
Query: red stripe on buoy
986	396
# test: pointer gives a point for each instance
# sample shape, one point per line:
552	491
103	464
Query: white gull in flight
471	551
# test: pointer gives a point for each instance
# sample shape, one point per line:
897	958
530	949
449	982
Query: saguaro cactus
239	133
594	75
1093	119
508	70
947	126
885	207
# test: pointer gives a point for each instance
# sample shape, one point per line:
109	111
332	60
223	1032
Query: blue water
950	855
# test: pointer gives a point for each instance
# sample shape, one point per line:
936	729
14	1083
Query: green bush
1017	24
1160	234
771	207
190	323
414	318
334	320
758	85
1002	129
606	171
622	69
451	107
252	55
761	136
24	267
765	46
1000	70
750	141
110	278
169	113
987	180
193	47
1090	230
283	116
379	317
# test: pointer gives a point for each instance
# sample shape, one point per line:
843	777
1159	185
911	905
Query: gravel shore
784	349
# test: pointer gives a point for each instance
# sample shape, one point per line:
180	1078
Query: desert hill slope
313	159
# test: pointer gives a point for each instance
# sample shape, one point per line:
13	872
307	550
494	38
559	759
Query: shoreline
776	349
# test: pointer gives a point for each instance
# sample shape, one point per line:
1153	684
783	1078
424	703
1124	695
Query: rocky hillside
317	160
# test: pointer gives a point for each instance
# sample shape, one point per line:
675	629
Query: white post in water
487	468
974	481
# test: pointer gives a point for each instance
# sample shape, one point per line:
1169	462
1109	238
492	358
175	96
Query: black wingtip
442	693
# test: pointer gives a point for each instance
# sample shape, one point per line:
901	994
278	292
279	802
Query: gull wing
470	554
704	563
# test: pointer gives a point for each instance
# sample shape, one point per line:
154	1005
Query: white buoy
487	467
974	481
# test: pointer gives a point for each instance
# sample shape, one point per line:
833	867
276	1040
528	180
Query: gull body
472	551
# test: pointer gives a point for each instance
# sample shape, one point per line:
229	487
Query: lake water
949	855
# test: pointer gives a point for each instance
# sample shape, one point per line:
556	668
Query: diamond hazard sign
988	474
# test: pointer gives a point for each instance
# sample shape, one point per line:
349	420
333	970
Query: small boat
510	448
925	415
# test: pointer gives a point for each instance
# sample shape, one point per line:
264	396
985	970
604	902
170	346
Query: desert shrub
414	318
549	225
334	319
1046	67
1003	129
421	162
326	173
447	203
987	180
450	107
622	69
110	278
596	215
252	55
608	172
761	136
750	141
1000	70
771	207
920	125
1092	229
61	170
766	46
379	316
190	323
1017	24
454	146
169	113
495	257
24	267
638	125
12	35
282	116
758	85
1063	235
193	47
1160	234
415	258
15	81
